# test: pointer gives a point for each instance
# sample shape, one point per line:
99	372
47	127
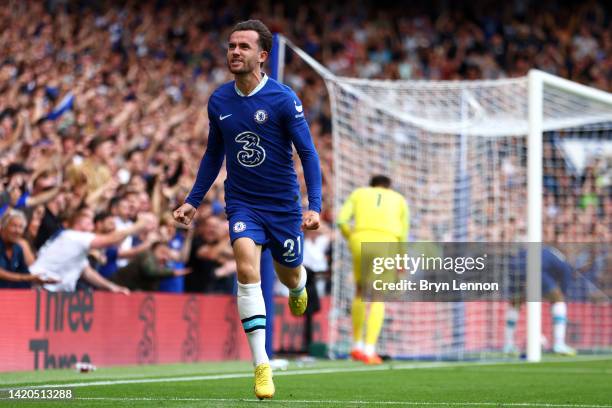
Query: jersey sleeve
211	162
297	127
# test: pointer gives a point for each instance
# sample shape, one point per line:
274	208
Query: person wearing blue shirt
255	122
14	272
174	284
104	223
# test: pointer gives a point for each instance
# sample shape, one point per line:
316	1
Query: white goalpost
478	161
537	82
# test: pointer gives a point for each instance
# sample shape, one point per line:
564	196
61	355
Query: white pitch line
577	359
548	371
331	370
355	402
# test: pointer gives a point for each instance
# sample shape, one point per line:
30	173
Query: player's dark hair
380	181
265	36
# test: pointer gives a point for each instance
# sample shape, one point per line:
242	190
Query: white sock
559	317
297	291
512	315
252	310
358	345
369	349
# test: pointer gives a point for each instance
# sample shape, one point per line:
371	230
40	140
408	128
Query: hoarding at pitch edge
42	330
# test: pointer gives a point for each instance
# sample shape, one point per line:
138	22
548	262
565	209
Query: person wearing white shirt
64	256
316	246
125	211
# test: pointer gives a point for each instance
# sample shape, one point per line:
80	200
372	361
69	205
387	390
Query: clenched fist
184	214
310	221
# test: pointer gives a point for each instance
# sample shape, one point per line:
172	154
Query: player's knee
246	273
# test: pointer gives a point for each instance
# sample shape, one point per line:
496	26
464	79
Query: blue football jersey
255	134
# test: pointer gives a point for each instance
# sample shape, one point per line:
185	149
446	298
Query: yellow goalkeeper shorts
355	241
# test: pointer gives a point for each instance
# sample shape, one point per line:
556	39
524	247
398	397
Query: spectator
95	167
14	271
147	269
106	262
51	221
179	245
16	191
317	245
65	257
125	212
212	259
202	277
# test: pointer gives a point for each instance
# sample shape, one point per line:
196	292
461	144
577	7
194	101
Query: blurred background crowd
102	105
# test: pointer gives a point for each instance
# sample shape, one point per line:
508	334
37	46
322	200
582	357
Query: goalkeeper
380	215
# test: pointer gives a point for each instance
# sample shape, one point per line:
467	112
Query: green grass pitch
582	382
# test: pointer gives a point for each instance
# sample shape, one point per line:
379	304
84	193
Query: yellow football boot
298	304
264	386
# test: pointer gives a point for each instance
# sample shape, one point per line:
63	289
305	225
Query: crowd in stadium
104	108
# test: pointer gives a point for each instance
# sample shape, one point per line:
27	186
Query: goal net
458	151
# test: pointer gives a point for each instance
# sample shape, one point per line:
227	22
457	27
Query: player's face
243	53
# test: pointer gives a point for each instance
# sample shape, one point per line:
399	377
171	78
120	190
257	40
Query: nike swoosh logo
221	117
298	107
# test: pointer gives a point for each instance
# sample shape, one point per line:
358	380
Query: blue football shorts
279	231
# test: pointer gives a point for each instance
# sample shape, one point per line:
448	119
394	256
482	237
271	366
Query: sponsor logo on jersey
221	117
261	116
252	153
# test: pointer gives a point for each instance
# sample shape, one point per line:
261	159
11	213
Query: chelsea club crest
261	116
239	226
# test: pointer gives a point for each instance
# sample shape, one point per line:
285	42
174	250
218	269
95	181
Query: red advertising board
42	330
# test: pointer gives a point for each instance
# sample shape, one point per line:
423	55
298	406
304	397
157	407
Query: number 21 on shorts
289	245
